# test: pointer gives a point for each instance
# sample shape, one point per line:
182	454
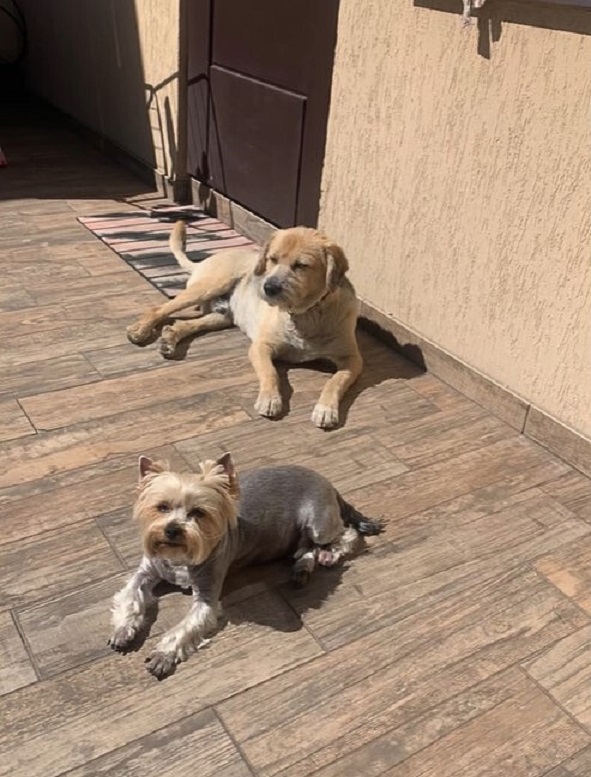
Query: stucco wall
460	186
96	59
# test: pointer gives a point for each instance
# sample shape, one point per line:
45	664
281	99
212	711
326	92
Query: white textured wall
461	188
93	60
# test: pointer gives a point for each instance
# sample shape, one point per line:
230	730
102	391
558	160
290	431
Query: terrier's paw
122	638
328	558
325	417
269	405
139	333
160	664
168	343
300	577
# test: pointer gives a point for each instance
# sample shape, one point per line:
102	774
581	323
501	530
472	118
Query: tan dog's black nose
272	287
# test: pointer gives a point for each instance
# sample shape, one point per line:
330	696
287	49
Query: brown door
259	89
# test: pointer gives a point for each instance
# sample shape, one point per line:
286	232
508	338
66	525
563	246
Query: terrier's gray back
281	505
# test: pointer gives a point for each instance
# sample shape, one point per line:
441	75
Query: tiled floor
459	645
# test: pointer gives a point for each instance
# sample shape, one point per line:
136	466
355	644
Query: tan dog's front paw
139	333
325	417
168	342
269	405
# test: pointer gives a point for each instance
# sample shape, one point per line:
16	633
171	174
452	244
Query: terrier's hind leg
305	563
344	546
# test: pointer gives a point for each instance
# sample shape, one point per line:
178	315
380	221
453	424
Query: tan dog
292	300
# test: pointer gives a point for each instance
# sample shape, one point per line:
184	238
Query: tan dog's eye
297	265
272	259
196	513
163	507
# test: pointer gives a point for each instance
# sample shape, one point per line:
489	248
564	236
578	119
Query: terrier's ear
148	467
336	265
262	262
227	465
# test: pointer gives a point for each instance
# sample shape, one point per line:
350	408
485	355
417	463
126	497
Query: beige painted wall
460	187
95	59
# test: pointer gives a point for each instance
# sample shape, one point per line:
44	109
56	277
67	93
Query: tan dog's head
183	516
299	267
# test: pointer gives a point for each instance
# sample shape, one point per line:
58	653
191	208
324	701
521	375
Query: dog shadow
265	595
380	364
262	595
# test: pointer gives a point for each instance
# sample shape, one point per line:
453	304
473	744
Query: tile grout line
234	741
112	545
28	649
286	601
533	561
27	416
548	694
107	753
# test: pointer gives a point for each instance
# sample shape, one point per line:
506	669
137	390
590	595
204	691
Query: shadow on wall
87	60
490	18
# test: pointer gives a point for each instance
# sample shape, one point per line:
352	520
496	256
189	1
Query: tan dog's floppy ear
148	467
227	465
262	262
336	265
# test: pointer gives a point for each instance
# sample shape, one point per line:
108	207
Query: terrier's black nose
172	531
272	287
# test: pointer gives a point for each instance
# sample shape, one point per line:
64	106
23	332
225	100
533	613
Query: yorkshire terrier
196	525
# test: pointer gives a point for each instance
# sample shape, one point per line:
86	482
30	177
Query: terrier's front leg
177	643
128	612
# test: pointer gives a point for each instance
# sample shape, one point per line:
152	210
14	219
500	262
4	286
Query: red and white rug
142	241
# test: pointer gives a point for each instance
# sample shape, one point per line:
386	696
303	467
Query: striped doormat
142	241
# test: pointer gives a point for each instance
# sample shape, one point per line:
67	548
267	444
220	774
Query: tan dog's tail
177	243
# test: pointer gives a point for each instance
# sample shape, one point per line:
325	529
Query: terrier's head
183	516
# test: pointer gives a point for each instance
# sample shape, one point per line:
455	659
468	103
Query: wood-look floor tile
469	734
569	568
432	559
71	629
92	287
375	683
564	670
577	766
27	321
60	723
123	534
523	736
13	421
124	359
452	436
16	669
88	493
133	432
441	394
196	744
420	489
47	375
105	262
54	562
18	271
13	296
47	344
573	490
81	404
